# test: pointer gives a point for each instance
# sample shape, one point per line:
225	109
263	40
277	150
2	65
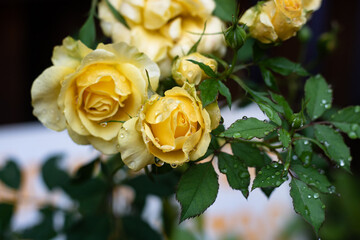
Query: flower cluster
164	29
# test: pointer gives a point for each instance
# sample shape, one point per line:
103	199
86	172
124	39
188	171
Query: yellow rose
277	19
85	88
186	71
174	128
161	28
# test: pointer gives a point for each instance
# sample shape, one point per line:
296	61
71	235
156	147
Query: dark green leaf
225	9
334	144
236	172
44	229
6	213
318	96
52	175
197	190
208	70
208	91
111	165
307	203
218	130
85	172
90	228
270	112
249	128
269	78
312	177
92	187
348	121
248	153
280	100
87	33
224	90
136	229
284	137
116	14
268	191
270	176
284	66
10	174
303	150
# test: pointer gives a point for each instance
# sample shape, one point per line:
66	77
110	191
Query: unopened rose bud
235	37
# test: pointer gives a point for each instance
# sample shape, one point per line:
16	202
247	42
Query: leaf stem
312	124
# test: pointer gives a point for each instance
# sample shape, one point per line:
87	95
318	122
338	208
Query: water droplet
275	165
260	172
342	163
330	90
352	135
323	101
317	182
265	121
268	178
278	183
294	157
323	206
306	142
321	171
244	117
173	165
305	176
103	124
306	212
244	175
309	196
331	189
327	106
277	173
267	167
357	109
237	135
121	135
117	146
316	195
326	144
158	162
131	165
350	158
354	127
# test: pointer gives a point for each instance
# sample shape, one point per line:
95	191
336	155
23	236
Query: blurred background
31	28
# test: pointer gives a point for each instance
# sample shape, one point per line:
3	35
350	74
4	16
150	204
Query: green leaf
87	33
111	165
52	175
284	137
85	172
208	70
307	203
10	175
236	172
116	14
348	121
91	228
249	153
224	90
208	91
303	150
225	9
249	128
334	144
318	96
197	190
286	109
6	213
270	176
269	78
271	113
44	229
312	177
284	66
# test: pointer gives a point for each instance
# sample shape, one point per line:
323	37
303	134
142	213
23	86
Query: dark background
31	28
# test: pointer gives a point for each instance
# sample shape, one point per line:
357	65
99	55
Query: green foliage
249	153
348	121
6	212
318	96
133	224
334	144
87	33
270	112
225	9
236	172
249	128
303	150
271	175
284	137
116	14
209	89
207	70
284	66
54	176
10	174
197	190
307	203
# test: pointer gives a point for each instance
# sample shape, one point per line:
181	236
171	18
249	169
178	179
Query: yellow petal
44	93
311	5
133	150
79	139
214	114
106	147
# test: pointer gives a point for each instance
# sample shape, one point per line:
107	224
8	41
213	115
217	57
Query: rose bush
164	29
174	128
276	20
85	89
186	71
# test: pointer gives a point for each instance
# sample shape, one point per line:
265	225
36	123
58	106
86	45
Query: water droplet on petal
173	165
244	117
121	135
103	124
158	162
